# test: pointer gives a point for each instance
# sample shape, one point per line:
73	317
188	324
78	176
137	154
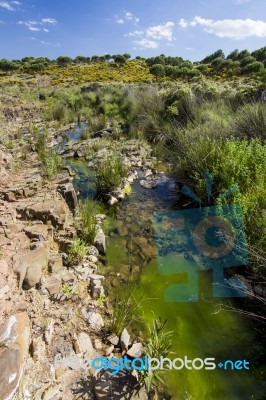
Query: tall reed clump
109	173
77	251
250	122
127	310
158	343
87	220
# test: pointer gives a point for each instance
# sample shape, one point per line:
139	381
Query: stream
201	329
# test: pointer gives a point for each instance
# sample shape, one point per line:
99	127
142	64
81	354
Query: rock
29	264
124	340
109	350
92	259
70	196
95	277
37	231
95	320
147	173
113	339
55	263
100	242
97	291
51	393
148	184
54	210
3	291
84	344
38	348
15	336
112	201
98	344
48	334
135	351
92	250
53	285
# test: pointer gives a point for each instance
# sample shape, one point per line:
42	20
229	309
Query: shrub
251	122
52	163
110	173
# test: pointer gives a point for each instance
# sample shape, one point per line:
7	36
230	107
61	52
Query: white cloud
232	28
32	25
49	21
182	23
6	5
16	2
159	32
126	16
135	33
146	44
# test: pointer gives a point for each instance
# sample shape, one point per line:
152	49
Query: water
202	328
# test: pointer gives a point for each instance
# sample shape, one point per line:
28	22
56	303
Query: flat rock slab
15	339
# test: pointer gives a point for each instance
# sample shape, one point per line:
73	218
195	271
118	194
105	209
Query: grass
77	251
110	173
87	221
127	310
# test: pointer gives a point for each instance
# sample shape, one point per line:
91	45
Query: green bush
109	173
51	164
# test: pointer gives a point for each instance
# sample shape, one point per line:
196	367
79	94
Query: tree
253	67
120	59
64	60
81	59
218	54
7	66
127	56
157	70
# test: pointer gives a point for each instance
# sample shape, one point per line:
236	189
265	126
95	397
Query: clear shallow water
199	331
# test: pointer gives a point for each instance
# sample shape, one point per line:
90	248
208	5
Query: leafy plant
77	250
101	299
87	222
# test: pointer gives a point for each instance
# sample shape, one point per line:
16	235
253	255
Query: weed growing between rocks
77	251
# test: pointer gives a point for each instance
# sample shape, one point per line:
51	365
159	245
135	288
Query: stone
95	277
92	259
95	320
100	242
97	291
15	335
98	344
109	350
92	250
124	340
112	201
113	339
51	393
148	184
37	231
53	285
29	264
38	348
55	263
135	351
54	210
84	344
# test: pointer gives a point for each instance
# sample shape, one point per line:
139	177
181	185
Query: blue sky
191	29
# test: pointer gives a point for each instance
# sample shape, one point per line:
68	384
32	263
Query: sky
190	29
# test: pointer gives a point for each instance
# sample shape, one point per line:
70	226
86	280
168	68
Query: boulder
84	344
29	264
54	210
135	351
100	242
124	339
95	320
